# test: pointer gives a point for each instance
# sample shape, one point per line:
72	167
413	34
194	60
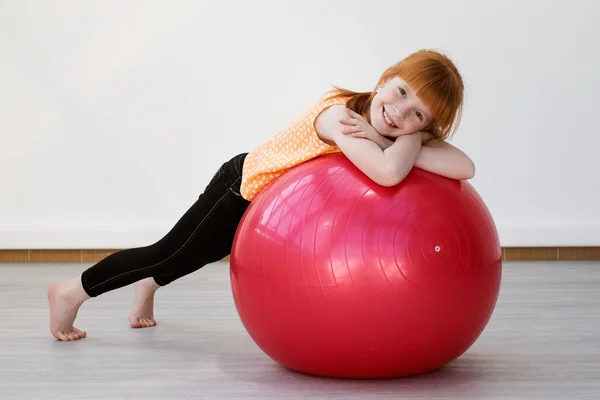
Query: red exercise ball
334	275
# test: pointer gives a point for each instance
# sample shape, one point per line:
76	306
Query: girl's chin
383	128
386	133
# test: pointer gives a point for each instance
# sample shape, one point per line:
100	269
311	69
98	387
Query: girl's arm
440	158
385	167
444	159
436	156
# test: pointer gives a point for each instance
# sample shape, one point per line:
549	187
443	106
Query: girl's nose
402	111
395	112
399	113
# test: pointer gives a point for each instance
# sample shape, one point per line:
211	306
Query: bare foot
64	299
142	311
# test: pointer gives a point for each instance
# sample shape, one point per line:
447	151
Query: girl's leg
204	234
142	311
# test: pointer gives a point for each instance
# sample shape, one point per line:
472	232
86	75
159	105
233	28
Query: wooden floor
543	342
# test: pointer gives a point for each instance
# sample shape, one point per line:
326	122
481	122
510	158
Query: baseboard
95	255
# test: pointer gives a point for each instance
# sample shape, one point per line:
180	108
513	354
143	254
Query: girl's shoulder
328	104
327	121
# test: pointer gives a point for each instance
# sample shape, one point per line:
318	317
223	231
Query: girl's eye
402	92
419	115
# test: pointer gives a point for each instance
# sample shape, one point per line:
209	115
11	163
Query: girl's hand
358	127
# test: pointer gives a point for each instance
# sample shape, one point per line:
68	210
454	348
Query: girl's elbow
468	172
471	170
388	182
381	180
392	178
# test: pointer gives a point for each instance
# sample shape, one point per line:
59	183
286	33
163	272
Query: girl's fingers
351	129
349	121
360	134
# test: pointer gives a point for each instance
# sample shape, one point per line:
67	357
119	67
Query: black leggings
204	234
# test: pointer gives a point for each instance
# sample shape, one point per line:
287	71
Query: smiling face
396	110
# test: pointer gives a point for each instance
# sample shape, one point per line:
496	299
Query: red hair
436	81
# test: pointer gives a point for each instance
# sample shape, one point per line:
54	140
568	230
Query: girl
403	123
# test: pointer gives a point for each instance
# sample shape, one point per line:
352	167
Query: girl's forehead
397	80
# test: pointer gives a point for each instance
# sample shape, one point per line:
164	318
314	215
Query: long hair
433	77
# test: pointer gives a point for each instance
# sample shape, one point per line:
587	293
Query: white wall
114	115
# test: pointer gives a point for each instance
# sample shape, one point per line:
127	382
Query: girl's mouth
387	118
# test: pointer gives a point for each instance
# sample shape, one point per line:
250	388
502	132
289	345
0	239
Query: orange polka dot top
297	143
